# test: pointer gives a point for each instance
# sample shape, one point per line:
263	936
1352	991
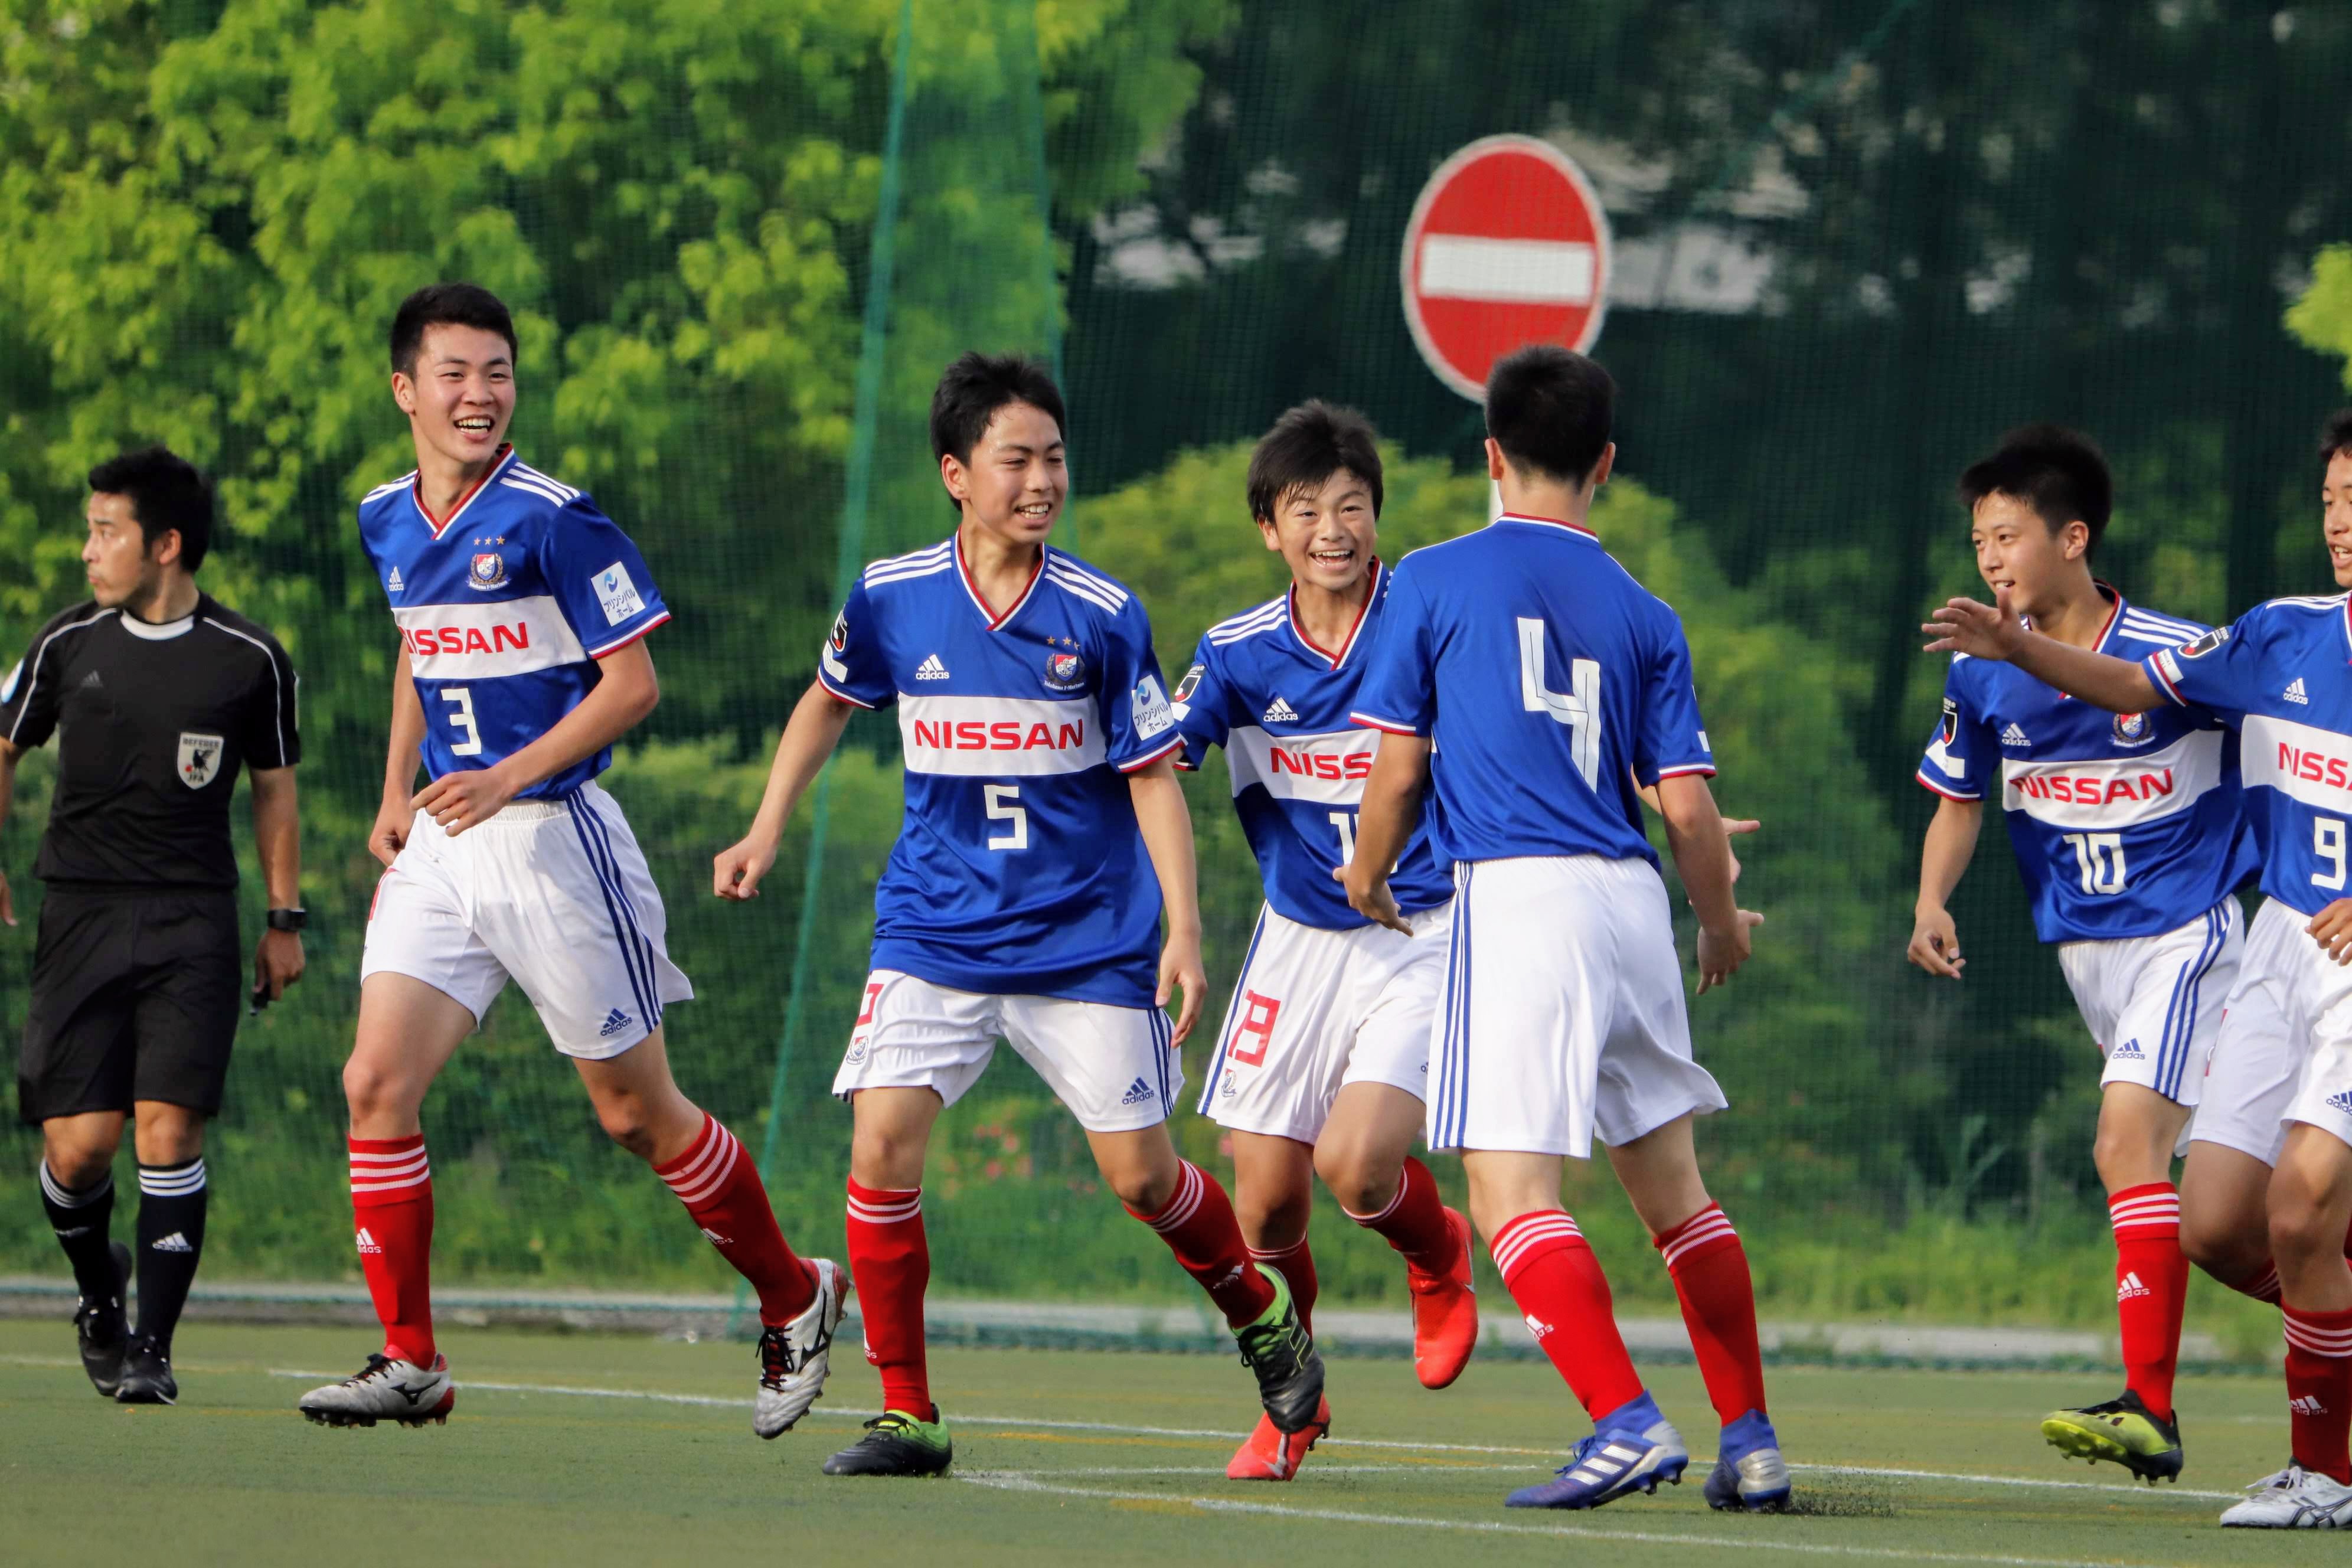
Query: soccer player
1324	1058
1045	829
521	611
159	697
1535	686
2281	1080
2129	838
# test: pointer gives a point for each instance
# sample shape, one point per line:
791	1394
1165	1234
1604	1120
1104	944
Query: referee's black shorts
135	994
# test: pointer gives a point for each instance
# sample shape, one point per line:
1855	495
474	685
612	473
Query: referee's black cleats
104	1331
147	1373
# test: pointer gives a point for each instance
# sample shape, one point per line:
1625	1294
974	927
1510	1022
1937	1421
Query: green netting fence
1855	240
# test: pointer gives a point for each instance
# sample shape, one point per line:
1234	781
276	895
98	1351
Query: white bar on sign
1532	271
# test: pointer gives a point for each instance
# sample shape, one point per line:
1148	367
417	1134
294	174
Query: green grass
534	1476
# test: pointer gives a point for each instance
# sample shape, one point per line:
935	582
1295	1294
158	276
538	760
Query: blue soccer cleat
1631	1449
1748	1470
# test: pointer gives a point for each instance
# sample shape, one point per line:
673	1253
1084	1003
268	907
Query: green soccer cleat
2121	1431
1276	1348
895	1444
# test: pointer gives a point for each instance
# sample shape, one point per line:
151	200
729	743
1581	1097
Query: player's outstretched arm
1167	828
1391	805
402	755
1993	631
1945	854
809	739
9	752
1703	857
624	692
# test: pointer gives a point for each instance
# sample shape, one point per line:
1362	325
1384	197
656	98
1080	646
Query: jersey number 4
1578	707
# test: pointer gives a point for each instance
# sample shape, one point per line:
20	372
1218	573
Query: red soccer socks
1435	1243
1198	1227
1296	1267
891	1262
1414	1222
2151	1288
391	1209
1560	1289
2319	1389
1719	1300
721	1190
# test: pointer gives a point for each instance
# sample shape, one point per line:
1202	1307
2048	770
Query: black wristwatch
287	919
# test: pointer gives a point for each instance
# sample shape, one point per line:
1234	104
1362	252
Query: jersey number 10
1578	707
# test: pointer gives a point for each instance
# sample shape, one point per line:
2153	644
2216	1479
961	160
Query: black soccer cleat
147	1373
1289	1369
895	1444
104	1331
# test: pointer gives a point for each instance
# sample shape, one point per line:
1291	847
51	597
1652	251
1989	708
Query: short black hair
2060	473
974	387
1307	446
2334	438
1551	410
168	494
447	304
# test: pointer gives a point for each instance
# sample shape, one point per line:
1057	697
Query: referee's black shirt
155	721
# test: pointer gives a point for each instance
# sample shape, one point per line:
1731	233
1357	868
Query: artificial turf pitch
638	1451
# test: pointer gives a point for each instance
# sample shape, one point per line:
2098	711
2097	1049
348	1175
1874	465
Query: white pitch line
1015	1482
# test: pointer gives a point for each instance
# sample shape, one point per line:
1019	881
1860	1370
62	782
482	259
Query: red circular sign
1506	247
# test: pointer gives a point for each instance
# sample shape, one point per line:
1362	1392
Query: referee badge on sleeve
200	759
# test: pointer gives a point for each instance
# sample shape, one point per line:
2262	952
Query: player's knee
1361	1187
628	1122
2227	1252
77	1165
1142	1189
2299	1227
1272	1219
372	1091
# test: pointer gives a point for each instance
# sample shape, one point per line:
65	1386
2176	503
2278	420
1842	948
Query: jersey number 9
1578	707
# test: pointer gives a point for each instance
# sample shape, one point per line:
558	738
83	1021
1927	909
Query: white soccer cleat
793	1360
2294	1498
386	1390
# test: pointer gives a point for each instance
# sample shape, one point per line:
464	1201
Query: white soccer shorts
2155	1003
2288	1022
1316	1009
553	894
1115	1068
1562	1012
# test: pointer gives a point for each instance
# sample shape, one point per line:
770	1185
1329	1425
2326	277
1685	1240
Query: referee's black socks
171	1239
80	1220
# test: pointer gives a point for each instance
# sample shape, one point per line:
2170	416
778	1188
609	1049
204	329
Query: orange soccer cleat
1445	1314
1272	1454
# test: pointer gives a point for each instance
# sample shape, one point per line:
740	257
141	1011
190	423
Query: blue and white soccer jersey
1551	685
1018	900
1325	997
504	608
2284	1049
2130	839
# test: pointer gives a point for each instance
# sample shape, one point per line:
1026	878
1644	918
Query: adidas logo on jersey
2129	1051
1280	713
2129	1287
931	669
367	1242
2013	736
1137	1093
175	1242
1538	1327
2295	693
391	583
614	1022
2306	1404
2341	1100
91	680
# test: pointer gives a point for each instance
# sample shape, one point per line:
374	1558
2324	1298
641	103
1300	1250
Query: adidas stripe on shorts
2283	1051
2154	1003
553	894
1316	1009
1115	1068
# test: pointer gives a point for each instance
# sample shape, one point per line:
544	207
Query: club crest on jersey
2133	729
2205	644
1949	729
1066	668
488	570
200	759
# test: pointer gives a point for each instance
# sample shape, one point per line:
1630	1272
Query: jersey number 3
1578	707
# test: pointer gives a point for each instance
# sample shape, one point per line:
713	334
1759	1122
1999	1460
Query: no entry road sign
1506	247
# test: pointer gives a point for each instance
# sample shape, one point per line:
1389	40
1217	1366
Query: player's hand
1734	827
1935	943
1981	631
1720	955
1180	968
736	870
464	799
7	903
278	963
389	837
2332	929
1369	895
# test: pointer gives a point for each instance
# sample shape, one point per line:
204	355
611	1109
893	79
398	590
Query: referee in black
158	696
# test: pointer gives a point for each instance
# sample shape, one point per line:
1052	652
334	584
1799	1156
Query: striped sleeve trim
1388	726
2154	665
1175	743
1947	794
617	644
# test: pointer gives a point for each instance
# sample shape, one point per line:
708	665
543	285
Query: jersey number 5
1578	707
1004	806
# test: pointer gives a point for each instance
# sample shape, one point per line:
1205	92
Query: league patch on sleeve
1949	729
1150	704
2205	644
8	687
617	594
840	637
1184	688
